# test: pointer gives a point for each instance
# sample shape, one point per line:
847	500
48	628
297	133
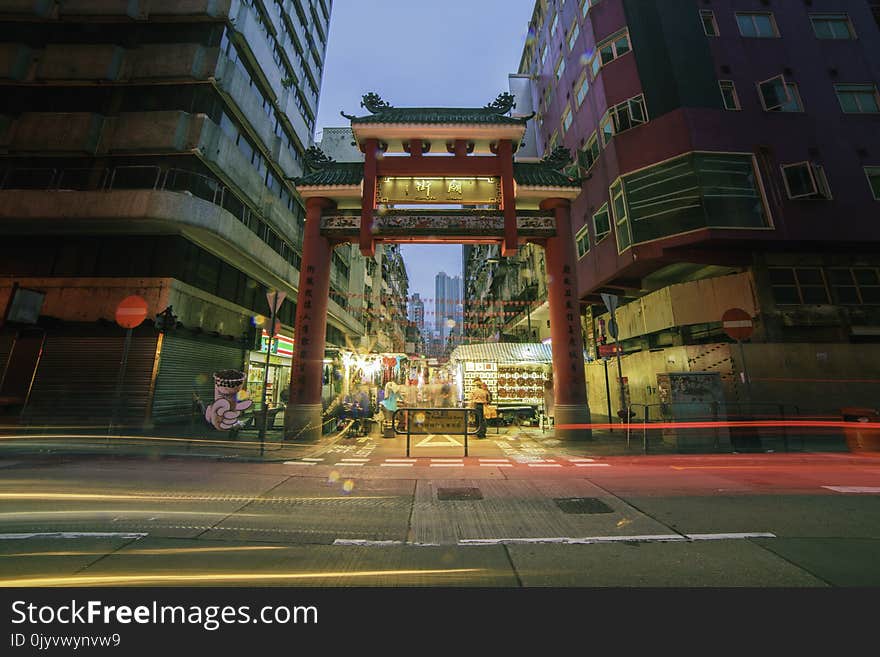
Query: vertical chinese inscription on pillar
575	346
304	327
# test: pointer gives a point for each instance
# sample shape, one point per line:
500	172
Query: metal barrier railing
431	421
713	412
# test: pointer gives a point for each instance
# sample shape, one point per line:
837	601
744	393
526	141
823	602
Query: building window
728	95
609	50
873	174
806	180
798	285
710	26
856	286
601	224
858	98
583	87
554	24
778	95
544	51
560	67
583	242
573	34
618	206
622	117
757	25
588	155
566	119
832	26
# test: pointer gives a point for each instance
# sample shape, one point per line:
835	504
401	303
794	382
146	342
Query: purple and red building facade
730	155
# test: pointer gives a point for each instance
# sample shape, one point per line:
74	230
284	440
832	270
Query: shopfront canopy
503	352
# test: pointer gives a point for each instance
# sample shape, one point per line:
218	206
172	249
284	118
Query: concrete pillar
302	418
572	412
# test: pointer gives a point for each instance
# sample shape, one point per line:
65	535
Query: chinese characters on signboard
469	191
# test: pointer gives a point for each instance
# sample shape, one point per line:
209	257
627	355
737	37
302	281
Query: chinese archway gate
425	156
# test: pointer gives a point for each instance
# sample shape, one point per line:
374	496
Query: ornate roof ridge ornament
373	103
317	160
558	159
502	104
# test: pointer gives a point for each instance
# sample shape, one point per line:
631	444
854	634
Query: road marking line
447	465
68	535
494	460
397	465
723	537
496	465
401	460
363	541
591	465
359	459
300	463
854	489
311	459
351	465
446	460
544	465
575	459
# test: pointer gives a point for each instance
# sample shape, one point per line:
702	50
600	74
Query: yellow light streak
111	580
117	439
151	551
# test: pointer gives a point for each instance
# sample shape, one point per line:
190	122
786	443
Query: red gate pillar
302	418
572	412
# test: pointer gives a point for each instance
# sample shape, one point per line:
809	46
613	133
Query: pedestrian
479	400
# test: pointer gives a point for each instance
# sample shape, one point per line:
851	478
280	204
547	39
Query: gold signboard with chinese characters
467	191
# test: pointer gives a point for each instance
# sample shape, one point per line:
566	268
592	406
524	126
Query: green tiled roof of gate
535	174
438	115
337	174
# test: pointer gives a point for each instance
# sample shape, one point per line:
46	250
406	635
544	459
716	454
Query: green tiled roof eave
538	175
437	115
338	174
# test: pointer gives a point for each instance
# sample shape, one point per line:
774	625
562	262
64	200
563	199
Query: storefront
514	373
278	372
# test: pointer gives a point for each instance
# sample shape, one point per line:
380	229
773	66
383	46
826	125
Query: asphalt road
516	512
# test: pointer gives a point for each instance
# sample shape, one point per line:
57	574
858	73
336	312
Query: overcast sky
421	53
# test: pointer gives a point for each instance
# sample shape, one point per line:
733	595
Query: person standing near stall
479	400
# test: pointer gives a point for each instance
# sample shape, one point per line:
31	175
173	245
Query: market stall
515	374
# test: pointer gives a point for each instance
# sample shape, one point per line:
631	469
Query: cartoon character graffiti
228	404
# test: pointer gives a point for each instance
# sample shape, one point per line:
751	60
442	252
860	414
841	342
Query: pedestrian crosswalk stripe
306	458
447	465
592	465
497	465
299	463
399	465
401	460
544	465
354	460
577	459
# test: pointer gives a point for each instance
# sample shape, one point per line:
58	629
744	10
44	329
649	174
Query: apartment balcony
15	61
235	85
104	8
54	132
100	62
251	36
171	61
212	8
41	8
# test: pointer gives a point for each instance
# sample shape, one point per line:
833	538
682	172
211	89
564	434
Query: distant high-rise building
417	312
447	305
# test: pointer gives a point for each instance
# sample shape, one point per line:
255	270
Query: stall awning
503	352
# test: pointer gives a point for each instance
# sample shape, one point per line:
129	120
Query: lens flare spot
348	485
202	379
334	477
241	395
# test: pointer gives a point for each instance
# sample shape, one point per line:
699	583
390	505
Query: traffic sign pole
130	312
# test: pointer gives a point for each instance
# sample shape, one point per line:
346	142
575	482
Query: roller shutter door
187	365
75	382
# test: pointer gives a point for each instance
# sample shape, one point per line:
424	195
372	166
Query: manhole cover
459	494
582	505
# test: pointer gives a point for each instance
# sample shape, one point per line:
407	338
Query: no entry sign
737	323
131	311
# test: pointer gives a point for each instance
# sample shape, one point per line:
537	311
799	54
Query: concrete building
730	157
448	309
145	149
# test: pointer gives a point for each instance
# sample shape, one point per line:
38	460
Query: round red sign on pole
131	311
737	323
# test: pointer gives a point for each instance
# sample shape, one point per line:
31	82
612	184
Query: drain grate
582	505
459	494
